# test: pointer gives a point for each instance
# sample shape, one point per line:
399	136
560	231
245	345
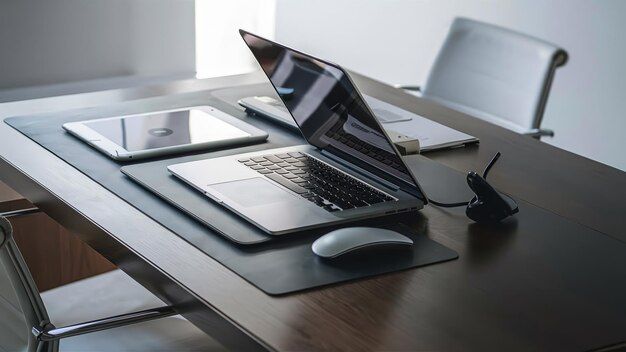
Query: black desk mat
276	266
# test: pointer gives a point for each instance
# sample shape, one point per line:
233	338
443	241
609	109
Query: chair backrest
21	307
494	73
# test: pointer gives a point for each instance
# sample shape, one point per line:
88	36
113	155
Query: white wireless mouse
349	239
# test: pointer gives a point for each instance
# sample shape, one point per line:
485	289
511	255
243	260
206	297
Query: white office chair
495	74
25	325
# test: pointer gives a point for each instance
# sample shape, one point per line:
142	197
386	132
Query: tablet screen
166	129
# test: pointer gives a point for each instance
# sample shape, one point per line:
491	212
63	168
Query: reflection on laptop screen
327	107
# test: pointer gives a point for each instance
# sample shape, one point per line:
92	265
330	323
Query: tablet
269	108
165	132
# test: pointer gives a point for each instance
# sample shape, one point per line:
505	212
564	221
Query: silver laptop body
349	171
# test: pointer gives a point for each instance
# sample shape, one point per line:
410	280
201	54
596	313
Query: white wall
396	41
53	41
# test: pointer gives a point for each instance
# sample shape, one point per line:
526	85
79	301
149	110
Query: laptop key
243	160
373	200
265	171
283	156
273	158
259	159
343	205
330	208
358	203
283	181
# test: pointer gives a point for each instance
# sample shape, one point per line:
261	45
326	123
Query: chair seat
116	293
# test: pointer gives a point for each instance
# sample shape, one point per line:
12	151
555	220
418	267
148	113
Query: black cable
447	205
488	168
461	204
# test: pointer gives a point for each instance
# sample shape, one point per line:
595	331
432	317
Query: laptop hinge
360	170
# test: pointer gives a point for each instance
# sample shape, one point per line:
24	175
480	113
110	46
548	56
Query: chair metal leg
51	333
20	212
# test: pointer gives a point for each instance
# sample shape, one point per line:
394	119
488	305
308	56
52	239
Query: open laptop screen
327	107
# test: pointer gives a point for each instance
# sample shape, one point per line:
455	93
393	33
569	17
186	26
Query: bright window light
220	51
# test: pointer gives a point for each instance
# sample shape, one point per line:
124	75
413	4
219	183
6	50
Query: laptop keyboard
316	181
339	134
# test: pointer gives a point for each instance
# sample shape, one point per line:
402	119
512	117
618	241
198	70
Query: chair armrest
411	88
51	333
539	132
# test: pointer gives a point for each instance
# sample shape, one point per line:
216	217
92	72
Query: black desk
506	292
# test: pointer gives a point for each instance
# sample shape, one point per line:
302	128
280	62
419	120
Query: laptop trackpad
253	192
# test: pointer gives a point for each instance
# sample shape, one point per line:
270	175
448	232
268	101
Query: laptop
349	170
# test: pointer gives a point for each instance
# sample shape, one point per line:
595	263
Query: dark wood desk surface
511	289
